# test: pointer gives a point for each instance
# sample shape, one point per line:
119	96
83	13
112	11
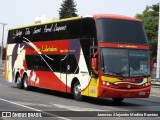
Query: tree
68	9
150	18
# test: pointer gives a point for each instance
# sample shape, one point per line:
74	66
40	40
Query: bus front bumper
108	92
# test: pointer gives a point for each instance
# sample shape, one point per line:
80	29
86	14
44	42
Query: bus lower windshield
125	62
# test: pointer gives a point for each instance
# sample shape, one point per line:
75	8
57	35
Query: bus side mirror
94	65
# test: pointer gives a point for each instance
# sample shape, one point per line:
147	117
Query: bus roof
96	16
113	16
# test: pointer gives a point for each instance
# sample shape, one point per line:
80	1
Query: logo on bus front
128	86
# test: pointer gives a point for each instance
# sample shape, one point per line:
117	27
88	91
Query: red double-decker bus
98	56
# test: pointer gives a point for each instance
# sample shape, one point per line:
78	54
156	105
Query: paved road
49	102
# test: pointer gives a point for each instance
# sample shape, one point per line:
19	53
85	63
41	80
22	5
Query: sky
22	12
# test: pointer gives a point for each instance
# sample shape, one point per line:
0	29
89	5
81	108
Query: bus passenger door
69	70
63	73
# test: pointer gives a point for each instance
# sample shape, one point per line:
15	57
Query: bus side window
64	63
36	33
56	63
72	66
88	39
17	35
10	37
69	64
33	62
51	63
36	65
29	61
73	29
88	28
54	31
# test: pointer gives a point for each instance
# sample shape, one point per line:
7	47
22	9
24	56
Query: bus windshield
125	62
121	31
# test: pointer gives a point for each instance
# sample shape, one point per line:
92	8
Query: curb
155	82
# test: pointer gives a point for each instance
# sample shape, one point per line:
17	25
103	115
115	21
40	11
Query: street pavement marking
155	95
75	108
33	109
4	85
33	104
19	104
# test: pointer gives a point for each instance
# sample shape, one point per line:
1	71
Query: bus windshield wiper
117	73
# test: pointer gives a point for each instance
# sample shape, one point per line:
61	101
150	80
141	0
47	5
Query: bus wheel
25	82
77	91
117	100
19	82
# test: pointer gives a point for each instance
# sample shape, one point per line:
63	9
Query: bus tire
77	91
117	100
25	82
19	82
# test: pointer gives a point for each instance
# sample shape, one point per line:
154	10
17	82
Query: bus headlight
108	84
146	84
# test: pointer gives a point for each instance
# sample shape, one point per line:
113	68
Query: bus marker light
104	83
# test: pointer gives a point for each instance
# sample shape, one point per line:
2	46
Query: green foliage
150	18
68	9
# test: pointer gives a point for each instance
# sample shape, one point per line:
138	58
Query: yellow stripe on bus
149	79
110	79
92	89
54	21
